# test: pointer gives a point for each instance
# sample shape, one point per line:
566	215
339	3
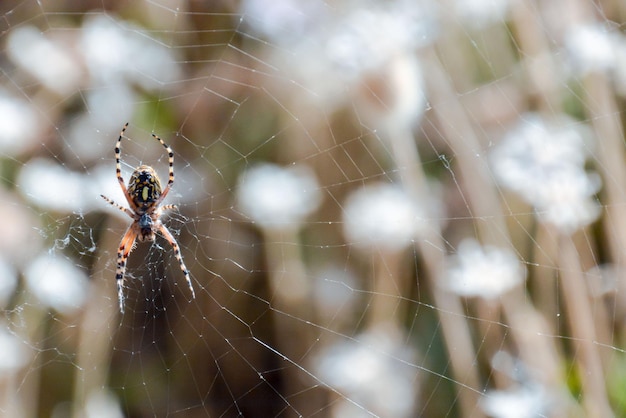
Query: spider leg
168	207
120	207
118	167
170	238
126	246
170	158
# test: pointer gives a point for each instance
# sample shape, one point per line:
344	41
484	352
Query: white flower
367	38
47	61
534	149
486	272
544	163
591	48
57	283
382	216
565	199
102	404
518	403
283	20
21	237
115	51
480	13
277	197
400	101
348	43
24	127
373	372
15	352
54	187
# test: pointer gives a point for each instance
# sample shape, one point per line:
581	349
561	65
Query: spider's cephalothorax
144	196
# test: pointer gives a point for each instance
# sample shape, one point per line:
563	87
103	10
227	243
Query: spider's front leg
126	246
120	207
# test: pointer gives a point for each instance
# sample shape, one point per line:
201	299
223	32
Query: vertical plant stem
289	299
387	290
456	333
581	322
23	386
93	353
459	133
604	115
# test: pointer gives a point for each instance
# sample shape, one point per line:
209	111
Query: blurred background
388	208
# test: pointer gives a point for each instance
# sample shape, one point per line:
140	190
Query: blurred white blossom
115	51
347	44
483	271
283	20
400	100
54	187
103	404
15	353
57	283
382	216
592	48
544	163
533	149
372	372
277	197
481	13
566	199
20	238
48	61
522	402
22	132
366	38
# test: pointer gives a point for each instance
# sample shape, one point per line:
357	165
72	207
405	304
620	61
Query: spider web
388	209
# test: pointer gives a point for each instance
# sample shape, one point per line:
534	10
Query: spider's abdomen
144	187
146	231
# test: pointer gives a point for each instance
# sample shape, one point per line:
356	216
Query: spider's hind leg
170	238
126	246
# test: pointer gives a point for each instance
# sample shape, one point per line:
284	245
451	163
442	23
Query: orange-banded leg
170	238
126	246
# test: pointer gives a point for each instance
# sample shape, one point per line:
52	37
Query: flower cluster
372	374
333	50
483	271
545	163
57	282
592	48
276	197
382	216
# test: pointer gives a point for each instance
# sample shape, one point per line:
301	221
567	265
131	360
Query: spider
144	195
